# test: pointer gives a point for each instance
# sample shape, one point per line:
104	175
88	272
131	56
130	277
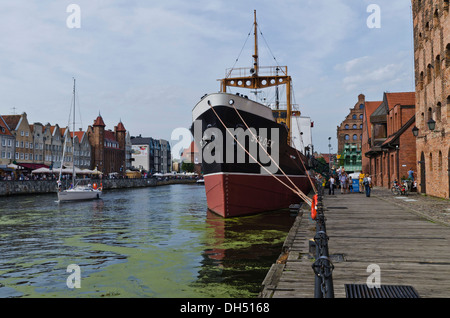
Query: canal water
144	242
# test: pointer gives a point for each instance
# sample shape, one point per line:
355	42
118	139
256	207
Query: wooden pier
409	249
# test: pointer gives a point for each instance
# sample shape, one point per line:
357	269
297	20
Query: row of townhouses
33	146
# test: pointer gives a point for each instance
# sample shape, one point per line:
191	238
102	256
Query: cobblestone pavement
432	208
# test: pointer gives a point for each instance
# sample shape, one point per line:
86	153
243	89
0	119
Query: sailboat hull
79	194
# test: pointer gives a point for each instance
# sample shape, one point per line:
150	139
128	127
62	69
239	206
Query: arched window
354	116
361	106
361	126
346	137
440	161
431	162
361	116
346	127
447	55
421	80
355	137
436	17
437	66
438	111
429	67
355	126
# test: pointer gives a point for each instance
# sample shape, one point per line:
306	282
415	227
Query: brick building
349	136
107	147
391	145
369	108
431	22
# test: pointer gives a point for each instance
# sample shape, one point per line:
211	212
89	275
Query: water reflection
147	242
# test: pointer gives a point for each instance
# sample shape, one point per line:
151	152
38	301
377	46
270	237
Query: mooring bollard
322	267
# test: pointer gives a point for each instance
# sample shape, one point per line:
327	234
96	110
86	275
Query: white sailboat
76	191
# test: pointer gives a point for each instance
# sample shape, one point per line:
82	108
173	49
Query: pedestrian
343	180
350	184
367	181
411	174
331	181
361	186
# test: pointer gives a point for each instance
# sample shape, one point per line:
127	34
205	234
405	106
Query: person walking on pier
367	181
331	183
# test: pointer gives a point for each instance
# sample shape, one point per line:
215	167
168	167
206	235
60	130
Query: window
437	66
361	116
360	126
431	162
361	106
355	126
355	137
440	161
429	67
346	126
354	117
446	5
346	137
421	80
447	55
438	111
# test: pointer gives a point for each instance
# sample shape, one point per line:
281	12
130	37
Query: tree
187	166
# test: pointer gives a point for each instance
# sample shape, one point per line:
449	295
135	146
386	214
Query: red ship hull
238	194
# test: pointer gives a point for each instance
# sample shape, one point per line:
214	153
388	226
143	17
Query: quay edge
24	187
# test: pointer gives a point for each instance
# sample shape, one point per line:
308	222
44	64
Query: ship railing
262	71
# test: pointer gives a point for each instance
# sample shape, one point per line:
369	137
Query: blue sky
147	63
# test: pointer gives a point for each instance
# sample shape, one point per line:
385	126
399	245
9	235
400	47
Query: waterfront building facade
390	147
431	22
7	144
81	150
37	130
20	129
108	147
349	136
151	155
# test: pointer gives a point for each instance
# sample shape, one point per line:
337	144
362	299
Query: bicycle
400	189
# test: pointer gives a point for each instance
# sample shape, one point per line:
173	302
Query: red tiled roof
109	135
120	127
79	134
99	121
12	120
405	98
6	129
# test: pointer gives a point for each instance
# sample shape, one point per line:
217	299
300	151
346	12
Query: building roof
99	121
141	140
393	140
121	127
78	134
12	121
5	129
403	98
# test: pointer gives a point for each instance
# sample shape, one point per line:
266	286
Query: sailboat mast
73	146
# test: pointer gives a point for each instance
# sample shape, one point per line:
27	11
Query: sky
147	63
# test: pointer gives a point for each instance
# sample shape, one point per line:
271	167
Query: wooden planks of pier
408	249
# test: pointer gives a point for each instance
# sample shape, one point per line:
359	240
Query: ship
248	163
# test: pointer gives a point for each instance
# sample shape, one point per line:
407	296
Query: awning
32	166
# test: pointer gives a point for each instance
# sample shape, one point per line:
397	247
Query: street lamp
329	152
431	124
415	131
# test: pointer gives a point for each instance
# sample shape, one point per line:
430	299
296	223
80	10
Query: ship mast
250	78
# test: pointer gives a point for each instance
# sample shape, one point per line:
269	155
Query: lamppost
329	152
